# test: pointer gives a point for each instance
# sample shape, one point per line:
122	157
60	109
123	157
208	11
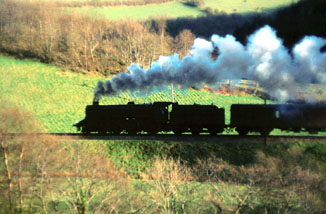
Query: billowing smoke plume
264	59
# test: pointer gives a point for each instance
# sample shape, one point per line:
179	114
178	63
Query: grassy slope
177	9
58	98
169	10
55	97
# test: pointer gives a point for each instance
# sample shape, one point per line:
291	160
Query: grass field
177	9
58	98
166	10
172	9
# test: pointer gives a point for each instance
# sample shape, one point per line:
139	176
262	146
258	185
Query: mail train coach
167	117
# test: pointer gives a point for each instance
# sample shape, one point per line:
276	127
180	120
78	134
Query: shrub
194	3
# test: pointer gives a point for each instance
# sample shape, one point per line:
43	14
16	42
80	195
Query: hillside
94	43
58	98
138	174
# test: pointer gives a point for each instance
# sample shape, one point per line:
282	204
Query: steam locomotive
172	117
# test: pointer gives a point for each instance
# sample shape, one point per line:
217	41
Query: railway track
181	138
192	138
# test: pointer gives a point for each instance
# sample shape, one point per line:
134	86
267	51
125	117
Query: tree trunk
20	186
8	174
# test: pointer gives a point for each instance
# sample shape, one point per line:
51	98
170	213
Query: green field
177	9
173	9
58	98
166	10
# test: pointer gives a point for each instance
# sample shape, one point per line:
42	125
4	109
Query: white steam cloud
264	59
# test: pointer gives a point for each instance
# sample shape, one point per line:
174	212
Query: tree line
80	42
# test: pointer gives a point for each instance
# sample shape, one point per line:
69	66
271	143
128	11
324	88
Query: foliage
20	156
41	174
194	3
272	185
79	42
134	157
45	175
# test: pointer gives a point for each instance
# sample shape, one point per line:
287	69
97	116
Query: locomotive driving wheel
132	132
265	132
116	131
195	131
212	131
152	131
177	131
242	131
85	130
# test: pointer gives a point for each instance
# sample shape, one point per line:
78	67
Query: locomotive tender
172	117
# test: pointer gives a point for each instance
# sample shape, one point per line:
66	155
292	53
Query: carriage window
277	114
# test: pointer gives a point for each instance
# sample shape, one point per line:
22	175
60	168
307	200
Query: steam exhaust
263	59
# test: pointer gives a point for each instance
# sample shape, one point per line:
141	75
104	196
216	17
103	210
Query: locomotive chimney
96	102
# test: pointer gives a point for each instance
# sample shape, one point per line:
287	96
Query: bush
194	3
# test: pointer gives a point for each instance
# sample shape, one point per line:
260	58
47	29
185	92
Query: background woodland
84	43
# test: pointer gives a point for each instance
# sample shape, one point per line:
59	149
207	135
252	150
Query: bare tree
270	185
14	121
183	42
91	182
172	189
28	159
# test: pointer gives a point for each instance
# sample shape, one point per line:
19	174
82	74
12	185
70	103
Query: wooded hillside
94	44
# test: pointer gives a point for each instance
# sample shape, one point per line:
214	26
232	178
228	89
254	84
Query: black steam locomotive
172	117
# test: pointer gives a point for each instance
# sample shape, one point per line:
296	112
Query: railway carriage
286	117
301	117
247	118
